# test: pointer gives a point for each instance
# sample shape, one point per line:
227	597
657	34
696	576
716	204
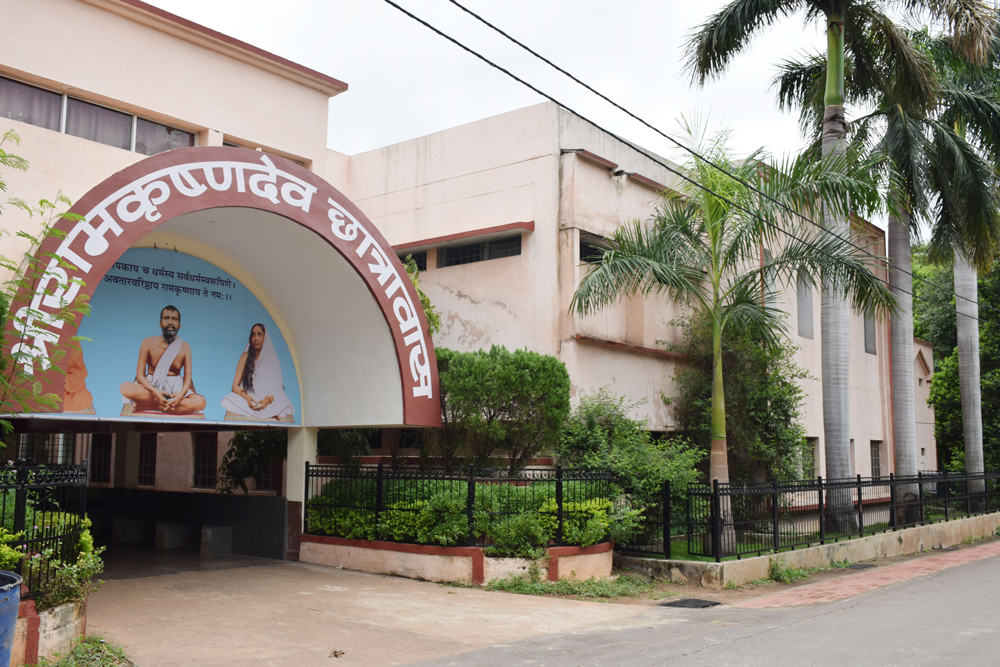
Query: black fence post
378	495
986	490
305	504
822	518
892	501
559	506
667	520
920	496
861	509
471	503
946	509
968	496
716	521
774	518
20	506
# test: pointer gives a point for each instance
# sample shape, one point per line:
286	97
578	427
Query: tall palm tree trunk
718	463
836	311
966	285
904	417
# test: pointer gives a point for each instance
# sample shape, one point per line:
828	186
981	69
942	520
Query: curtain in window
28	104
89	121
154	138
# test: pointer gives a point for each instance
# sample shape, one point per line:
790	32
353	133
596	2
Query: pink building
500	214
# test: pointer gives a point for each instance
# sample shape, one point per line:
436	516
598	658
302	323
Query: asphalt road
951	617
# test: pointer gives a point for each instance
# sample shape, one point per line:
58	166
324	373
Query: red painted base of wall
27	611
476	553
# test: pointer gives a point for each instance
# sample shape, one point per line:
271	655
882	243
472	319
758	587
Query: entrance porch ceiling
343	352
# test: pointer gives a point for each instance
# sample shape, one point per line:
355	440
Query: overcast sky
406	81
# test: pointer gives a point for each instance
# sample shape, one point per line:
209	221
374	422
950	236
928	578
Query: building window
419	257
147	459
62	113
478	252
46	448
870	344
206	456
28	104
100	458
876	448
804	299
592	248
155	138
810	450
268	480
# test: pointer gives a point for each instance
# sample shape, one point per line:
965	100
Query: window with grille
206	456
100	458
46	448
419	257
876	447
268	480
147	459
478	252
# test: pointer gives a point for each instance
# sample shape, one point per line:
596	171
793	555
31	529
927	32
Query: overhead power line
674	171
701	157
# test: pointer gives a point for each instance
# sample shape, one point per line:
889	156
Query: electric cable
673	171
701	157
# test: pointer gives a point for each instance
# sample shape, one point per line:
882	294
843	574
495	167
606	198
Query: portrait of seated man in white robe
258	388
164	377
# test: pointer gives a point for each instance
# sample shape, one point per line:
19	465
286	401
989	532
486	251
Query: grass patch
786	574
621	587
92	652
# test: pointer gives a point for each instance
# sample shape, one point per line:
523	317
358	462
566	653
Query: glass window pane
804	297
510	247
870	337
27	104
89	121
154	138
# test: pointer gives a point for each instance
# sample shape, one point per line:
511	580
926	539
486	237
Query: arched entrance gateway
270	296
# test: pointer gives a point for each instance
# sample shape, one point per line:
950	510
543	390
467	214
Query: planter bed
467	564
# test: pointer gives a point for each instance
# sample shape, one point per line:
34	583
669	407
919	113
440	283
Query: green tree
502	400
933	175
250	453
866	53
433	318
704	246
21	388
764	432
600	434
933	282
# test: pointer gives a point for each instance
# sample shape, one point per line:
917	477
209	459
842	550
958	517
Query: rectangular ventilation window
154	138
804	299
268	480
870	336
419	257
206	459
100	458
478	252
876	448
147	459
97	123
28	104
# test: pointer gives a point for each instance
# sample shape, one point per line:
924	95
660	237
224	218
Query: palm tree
861	33
703	246
934	175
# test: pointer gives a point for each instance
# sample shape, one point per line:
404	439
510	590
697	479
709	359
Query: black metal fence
489	507
725	520
45	506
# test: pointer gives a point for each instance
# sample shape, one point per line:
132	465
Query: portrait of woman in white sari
258	388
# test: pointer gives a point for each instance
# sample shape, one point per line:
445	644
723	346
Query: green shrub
522	535
342	522
10	556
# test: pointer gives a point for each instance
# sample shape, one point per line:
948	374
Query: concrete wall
883	545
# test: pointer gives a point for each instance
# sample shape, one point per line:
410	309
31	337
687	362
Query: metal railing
471	506
45	506
725	520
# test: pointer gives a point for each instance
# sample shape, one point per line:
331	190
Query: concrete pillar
210	138
301	448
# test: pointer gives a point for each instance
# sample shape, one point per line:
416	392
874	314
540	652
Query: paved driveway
172	608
